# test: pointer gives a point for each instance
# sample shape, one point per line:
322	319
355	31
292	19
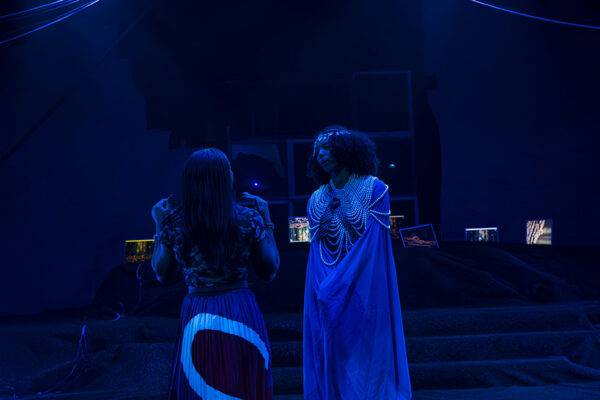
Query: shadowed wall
515	103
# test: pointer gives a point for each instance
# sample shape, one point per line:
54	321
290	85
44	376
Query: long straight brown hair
209	205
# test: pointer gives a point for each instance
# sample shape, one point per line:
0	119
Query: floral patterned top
196	271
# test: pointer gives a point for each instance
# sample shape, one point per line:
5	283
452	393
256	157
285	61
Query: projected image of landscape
419	236
539	231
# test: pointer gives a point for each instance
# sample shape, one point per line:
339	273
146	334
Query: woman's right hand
161	209
259	204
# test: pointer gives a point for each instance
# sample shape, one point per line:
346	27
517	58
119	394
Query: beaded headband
324	137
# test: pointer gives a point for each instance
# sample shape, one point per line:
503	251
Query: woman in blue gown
353	337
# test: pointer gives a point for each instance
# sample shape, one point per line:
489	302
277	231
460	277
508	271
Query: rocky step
467	321
288	327
472	321
519	345
470	347
97	395
487	373
471	374
118	368
284	327
587	391
546	392
154	358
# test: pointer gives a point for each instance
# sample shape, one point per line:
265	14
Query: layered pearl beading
339	216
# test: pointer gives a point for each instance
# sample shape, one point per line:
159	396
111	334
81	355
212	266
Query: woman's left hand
259	205
160	210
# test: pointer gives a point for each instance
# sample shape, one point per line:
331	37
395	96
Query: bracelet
269	225
156	237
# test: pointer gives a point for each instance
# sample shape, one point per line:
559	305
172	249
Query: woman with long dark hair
353	337
222	351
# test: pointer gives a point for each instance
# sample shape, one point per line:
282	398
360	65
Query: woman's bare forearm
274	251
162	258
265	257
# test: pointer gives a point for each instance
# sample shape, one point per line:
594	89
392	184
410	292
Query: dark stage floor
481	322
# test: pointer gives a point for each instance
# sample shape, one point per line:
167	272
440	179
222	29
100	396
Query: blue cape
353	337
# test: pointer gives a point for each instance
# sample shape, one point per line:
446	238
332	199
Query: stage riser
470	321
447	349
469	348
469	375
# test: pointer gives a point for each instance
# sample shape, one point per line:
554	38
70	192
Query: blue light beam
556	21
58	4
52	22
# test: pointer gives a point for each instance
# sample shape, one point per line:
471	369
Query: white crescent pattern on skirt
205	321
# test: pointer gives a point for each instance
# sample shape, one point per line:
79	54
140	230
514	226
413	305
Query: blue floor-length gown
354	344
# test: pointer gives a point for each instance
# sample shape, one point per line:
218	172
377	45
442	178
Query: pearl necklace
339	216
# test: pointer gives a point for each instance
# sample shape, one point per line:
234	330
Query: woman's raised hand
161	209
259	204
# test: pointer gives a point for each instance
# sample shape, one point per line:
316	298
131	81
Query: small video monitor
397	222
539	231
419	236
137	251
299	231
489	234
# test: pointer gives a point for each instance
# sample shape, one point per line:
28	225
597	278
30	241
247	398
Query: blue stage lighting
40	13
556	21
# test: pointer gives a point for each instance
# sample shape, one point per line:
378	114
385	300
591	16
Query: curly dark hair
353	150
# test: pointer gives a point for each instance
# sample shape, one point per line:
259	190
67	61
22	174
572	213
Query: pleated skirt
222	350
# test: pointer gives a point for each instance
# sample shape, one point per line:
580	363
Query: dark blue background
516	108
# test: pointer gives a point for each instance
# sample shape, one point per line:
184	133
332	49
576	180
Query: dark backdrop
110	103
518	106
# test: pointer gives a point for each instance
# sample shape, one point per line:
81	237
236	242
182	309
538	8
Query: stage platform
481	321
